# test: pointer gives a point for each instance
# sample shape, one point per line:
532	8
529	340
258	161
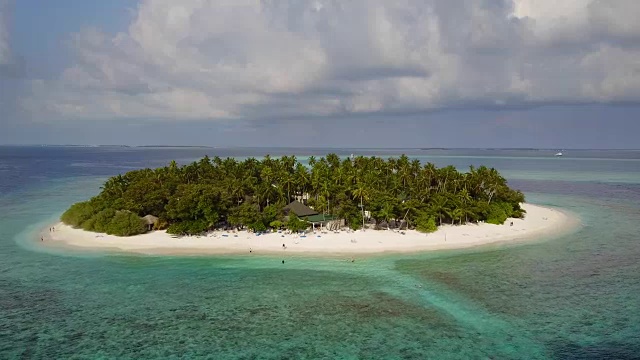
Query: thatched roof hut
150	220
299	209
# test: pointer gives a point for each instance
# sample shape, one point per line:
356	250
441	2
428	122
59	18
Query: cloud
5	51
6	58
247	59
11	69
10	65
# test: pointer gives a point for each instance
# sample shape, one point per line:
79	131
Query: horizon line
312	147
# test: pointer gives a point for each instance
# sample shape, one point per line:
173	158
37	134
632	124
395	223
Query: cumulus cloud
206	59
6	57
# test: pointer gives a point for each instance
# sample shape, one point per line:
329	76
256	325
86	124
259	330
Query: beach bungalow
299	209
150	221
309	215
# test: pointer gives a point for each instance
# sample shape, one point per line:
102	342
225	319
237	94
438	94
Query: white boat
559	154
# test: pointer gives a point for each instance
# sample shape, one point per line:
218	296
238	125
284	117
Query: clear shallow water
576	297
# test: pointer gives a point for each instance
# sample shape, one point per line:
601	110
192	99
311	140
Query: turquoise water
573	297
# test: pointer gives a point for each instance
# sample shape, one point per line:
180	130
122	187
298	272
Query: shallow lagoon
573	297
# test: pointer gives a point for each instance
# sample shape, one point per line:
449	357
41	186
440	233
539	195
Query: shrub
102	220
179	228
78	213
355	223
519	213
258	226
508	208
190	227
272	213
89	225
126	223
497	214
276	224
426	224
295	224
245	214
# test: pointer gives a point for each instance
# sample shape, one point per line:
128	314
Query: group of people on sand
51	229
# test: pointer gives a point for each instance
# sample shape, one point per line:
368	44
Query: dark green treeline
219	192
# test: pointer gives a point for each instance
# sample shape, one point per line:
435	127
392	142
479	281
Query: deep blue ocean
573	297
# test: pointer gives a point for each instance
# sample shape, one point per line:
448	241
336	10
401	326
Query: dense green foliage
295	224
217	192
126	223
426	223
89	216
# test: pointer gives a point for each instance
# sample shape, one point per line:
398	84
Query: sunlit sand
540	222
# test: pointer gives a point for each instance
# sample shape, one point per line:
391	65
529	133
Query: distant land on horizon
321	148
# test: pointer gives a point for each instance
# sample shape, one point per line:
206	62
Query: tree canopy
213	193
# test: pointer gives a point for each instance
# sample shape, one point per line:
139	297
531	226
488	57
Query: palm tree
288	181
439	206
404	170
333	160
325	190
234	188
457	214
302	179
466	211
402	188
386	213
410	208
267	192
362	193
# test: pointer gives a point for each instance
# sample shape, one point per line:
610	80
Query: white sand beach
540	222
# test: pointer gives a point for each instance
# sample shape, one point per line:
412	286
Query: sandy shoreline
540	222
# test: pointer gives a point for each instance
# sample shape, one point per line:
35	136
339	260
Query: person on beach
41	238
284	246
250	250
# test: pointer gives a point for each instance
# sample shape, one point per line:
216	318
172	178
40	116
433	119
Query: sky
321	73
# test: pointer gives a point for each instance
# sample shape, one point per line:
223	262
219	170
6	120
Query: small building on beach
309	215
329	222
299	209
150	221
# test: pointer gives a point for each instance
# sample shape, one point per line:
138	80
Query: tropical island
331	196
